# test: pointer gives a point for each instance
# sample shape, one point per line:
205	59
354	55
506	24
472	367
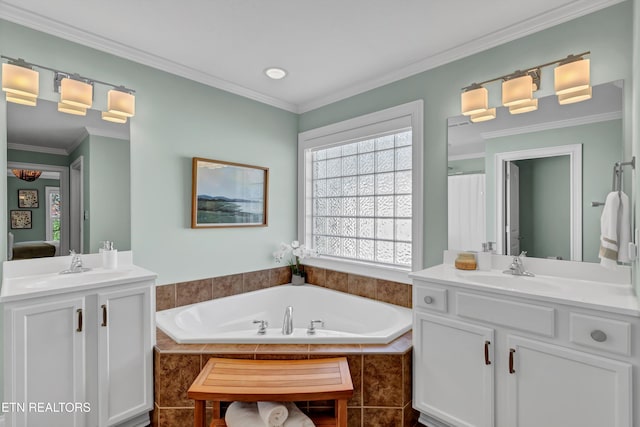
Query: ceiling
332	49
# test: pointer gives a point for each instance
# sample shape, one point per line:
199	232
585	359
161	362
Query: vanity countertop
600	295
37	278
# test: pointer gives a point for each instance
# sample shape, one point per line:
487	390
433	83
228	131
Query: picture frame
28	198
20	219
226	194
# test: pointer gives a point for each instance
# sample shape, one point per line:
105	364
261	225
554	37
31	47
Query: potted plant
294	252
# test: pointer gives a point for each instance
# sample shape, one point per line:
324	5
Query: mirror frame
574	151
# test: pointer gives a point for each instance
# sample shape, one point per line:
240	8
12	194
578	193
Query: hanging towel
243	414
615	230
273	414
297	418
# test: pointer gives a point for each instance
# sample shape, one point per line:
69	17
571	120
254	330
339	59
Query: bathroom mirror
527	181
82	194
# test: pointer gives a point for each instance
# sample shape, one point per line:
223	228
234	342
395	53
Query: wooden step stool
228	380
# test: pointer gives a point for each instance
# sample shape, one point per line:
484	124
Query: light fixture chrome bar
518	73
75	76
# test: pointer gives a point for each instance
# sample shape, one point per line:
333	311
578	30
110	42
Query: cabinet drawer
431	298
598	332
525	317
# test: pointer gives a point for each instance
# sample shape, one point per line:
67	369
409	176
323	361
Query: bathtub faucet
287	323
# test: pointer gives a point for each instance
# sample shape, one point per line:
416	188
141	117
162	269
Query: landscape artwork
226	194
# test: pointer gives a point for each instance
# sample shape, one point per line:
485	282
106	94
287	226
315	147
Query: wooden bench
228	380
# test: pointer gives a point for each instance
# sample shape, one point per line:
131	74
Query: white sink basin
58	280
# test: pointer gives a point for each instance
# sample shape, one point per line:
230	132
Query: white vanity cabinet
81	356
485	358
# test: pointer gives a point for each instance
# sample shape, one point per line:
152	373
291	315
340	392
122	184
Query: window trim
358	128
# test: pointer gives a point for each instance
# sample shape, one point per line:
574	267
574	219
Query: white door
553	386
513	209
48	363
125	346
453	371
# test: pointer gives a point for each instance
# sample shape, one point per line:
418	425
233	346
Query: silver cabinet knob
428	300
598	335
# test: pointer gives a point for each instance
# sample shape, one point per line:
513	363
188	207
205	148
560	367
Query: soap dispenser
109	256
484	257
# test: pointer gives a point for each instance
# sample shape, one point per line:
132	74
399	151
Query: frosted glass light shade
572	77
489	114
76	93
121	103
22	99
524	107
474	101
577	96
20	80
114	118
517	90
71	109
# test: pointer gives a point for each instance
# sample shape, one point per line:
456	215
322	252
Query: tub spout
287	323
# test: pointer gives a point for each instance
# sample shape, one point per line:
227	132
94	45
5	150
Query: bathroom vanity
78	347
494	350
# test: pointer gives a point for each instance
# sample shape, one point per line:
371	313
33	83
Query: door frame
574	151
64	195
76	207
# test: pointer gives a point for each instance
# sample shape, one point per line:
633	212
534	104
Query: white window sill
361	268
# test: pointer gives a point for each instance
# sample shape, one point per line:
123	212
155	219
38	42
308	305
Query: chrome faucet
312	326
76	264
517	266
287	323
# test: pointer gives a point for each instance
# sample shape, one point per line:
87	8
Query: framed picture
27	198
226	194
20	219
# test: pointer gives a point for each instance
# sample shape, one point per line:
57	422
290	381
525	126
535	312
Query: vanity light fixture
114	118
474	100
21	83
71	109
74	90
572	84
486	115
276	73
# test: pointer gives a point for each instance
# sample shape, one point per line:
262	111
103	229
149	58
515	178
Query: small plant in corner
293	253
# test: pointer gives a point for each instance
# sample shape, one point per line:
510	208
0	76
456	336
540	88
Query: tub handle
312	326
262	329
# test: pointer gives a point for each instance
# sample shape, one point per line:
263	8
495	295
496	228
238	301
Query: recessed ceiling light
275	73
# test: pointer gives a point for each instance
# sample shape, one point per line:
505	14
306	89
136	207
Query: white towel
243	414
297	418
273	414
615	230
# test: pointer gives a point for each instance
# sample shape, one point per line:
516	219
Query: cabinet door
124	354
453	380
554	386
47	363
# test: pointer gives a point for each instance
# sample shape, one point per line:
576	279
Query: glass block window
361	199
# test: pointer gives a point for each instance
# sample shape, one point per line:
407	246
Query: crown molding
540	22
41	23
36	149
76	143
477	155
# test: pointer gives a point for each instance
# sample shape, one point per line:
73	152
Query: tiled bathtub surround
381	377
179	294
381	373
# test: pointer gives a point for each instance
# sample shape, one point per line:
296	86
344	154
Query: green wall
37	158
38	215
545	214
607	34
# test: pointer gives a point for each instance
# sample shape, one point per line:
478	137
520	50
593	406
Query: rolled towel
297	418
273	414
243	414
